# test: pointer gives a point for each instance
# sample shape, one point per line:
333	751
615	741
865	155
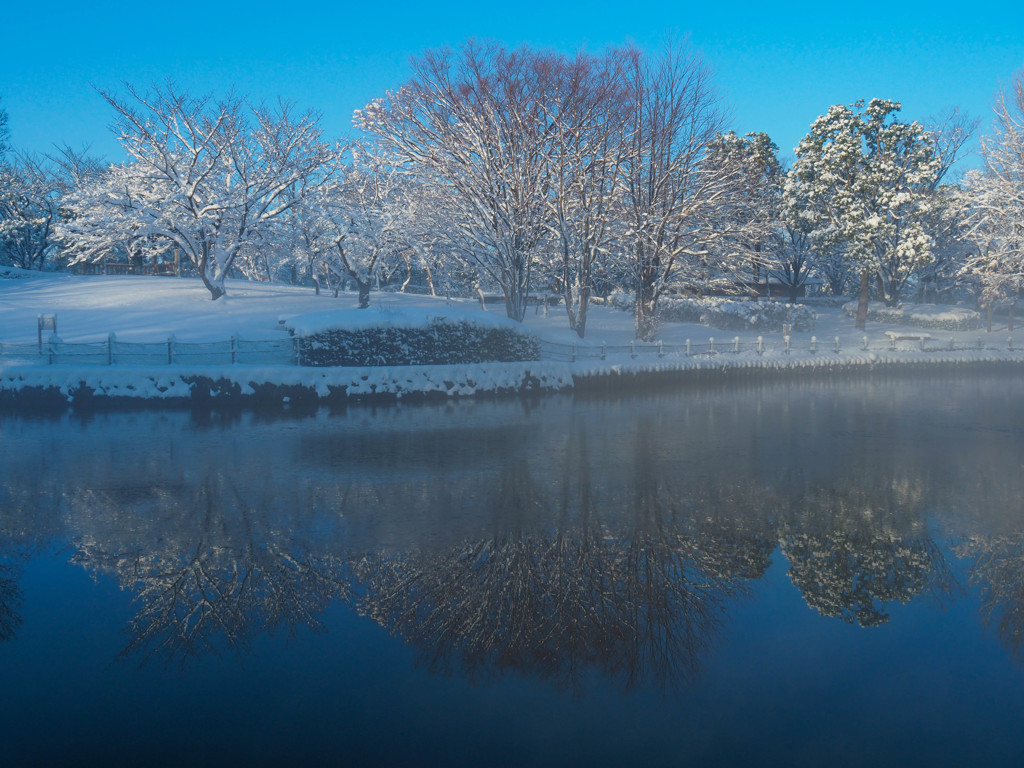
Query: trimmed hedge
441	342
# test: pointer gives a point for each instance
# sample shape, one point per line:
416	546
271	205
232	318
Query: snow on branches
861	182
209	178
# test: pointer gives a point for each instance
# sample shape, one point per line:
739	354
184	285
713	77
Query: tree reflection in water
639	602
998	569
551	541
218	576
10	602
850	552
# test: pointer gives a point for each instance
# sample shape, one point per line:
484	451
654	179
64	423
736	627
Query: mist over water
787	574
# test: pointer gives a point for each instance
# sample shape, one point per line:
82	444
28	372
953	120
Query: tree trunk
1009	324
364	293
216	288
988	317
581	317
862	303
430	278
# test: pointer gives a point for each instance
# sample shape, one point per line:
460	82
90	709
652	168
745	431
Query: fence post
837	345
45	323
760	345
736	345
661	348
298	352
604	350
234	348
814	344
864	343
687	347
110	347
573	358
785	343
50	349
1009	342
711	345
632	349
170	350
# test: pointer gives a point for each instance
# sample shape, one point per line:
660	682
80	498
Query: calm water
805	574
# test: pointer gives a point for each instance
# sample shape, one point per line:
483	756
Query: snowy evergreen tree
752	243
861	181
5	132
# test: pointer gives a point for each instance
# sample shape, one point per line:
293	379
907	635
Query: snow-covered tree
206	177
5	132
32	193
945	216
589	146
360	221
861	181
750	224
996	196
671	196
475	121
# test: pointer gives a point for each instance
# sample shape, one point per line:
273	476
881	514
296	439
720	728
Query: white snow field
148	311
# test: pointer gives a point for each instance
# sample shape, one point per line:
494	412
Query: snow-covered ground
151	309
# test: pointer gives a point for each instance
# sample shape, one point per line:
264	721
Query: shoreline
55	388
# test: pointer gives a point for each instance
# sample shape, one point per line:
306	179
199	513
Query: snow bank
207	384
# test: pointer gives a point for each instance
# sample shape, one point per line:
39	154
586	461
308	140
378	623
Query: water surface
801	574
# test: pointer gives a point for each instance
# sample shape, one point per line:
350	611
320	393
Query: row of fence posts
787	343
49	322
171	341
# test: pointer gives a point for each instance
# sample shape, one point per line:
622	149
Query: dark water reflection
597	549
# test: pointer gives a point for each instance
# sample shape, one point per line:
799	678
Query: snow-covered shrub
624	302
824	301
428	341
727	314
758	316
678	310
934	316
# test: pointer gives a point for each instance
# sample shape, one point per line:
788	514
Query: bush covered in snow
758	316
437	342
938	317
727	314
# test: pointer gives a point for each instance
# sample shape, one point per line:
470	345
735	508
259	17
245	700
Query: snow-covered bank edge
723	370
56	386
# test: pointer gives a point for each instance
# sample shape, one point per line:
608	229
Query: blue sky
778	65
